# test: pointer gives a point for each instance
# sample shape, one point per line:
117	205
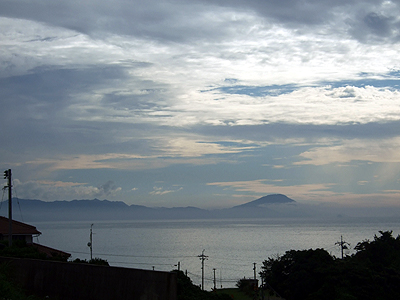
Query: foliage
372	273
94	261
241	284
247	286
188	291
21	249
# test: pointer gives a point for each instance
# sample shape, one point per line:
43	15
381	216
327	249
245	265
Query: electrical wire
229	280
133	256
133	263
208	279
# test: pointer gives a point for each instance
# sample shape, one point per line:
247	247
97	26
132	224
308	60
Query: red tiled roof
17	228
51	252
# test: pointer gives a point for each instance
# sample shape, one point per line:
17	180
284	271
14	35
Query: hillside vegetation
373	272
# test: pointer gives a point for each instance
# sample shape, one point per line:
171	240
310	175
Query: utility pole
255	283
178	265
262	288
220	277
202	258
215	281
342	245
7	175
90	244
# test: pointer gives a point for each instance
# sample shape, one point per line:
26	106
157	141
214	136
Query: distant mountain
271	206
95	209
266	200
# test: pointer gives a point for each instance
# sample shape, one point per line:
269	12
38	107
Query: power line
133	256
145	264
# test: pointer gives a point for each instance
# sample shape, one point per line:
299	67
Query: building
20	231
24	232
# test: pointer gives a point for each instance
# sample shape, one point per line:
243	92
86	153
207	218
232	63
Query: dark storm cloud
364	20
375	26
39	109
191	20
147	19
288	11
46	91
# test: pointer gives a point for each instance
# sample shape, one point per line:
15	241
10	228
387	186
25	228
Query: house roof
51	252
18	228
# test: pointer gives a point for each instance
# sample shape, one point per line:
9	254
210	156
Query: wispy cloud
158	191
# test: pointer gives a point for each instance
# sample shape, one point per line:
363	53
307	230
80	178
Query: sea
223	250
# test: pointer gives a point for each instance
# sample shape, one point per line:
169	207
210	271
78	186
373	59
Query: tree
188	291
298	273
372	273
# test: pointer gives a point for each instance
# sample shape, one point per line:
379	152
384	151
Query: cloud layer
175	101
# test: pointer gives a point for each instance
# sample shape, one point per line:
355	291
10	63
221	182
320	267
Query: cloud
108	188
48	190
310	193
158	191
264	187
384	151
376	26
144	88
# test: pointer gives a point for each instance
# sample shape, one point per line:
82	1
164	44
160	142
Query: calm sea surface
232	246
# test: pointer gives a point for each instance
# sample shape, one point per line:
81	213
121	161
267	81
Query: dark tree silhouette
373	272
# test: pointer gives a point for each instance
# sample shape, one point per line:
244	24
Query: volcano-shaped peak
269	199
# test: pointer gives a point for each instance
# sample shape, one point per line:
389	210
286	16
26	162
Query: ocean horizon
232	246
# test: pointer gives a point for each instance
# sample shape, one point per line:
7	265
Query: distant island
270	206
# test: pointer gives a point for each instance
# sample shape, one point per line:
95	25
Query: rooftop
18	228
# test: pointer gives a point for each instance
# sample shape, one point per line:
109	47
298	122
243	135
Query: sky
201	103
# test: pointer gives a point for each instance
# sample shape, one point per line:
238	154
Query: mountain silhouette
271	206
266	200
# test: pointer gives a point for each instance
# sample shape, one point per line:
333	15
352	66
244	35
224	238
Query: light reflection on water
232	246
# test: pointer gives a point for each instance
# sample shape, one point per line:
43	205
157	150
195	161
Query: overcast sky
201	103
